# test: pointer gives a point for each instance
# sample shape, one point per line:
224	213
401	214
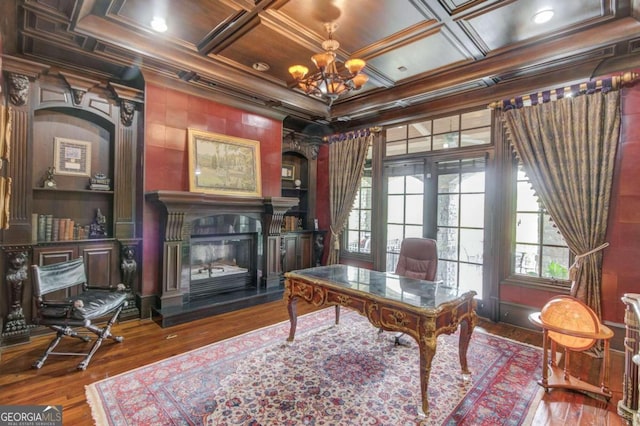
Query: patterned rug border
323	318
95	401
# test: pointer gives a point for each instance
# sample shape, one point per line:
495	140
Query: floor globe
574	318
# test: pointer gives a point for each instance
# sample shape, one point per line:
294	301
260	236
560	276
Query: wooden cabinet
66	130
298	250
295	184
298	225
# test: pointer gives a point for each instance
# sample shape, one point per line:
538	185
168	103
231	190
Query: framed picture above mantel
225	165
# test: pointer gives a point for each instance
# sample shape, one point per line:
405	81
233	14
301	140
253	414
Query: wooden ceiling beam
115	34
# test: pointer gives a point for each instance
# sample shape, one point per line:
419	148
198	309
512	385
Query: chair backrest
57	276
418	259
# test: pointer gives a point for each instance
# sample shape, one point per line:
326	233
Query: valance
605	85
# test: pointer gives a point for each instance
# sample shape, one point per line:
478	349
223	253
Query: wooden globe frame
555	377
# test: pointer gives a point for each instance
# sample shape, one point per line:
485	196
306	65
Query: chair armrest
119	287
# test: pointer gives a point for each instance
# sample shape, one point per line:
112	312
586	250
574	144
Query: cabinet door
305	251
101	263
48	255
290	246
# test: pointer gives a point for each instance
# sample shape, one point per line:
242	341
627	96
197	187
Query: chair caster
119	339
38	364
83	365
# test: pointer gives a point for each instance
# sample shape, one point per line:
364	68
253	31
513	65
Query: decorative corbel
128	97
79	86
18	88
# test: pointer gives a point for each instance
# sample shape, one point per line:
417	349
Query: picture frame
288	171
224	165
71	157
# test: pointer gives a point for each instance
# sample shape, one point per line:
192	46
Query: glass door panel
405	201
460	223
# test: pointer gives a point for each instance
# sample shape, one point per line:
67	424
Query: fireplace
222	255
219	253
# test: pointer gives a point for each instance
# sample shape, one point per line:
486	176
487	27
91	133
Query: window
540	250
455	131
358	235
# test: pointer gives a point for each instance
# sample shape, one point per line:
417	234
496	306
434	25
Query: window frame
514	277
344	238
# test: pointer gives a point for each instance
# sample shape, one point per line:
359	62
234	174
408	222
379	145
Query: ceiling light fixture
159	24
543	16
328	82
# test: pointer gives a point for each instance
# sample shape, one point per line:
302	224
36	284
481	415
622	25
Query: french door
460	229
442	198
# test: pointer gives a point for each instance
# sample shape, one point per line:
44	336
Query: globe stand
568	322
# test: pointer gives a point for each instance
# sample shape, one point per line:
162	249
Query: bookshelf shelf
83	191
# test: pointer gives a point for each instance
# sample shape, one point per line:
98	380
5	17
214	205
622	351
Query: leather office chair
63	313
418	259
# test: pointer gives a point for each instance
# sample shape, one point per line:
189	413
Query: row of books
291	223
45	227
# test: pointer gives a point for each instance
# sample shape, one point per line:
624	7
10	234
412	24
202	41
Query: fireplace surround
236	240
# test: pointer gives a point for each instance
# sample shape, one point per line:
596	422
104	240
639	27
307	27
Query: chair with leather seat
67	314
418	259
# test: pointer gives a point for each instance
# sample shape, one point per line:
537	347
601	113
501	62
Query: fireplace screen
222	263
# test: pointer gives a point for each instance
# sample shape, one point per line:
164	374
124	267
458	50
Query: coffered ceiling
419	53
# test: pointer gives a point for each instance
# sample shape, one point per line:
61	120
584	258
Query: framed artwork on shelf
288	171
225	165
72	157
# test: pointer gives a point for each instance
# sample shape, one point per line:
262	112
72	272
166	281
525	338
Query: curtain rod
337	137
616	82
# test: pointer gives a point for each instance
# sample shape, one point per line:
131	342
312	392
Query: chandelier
328	82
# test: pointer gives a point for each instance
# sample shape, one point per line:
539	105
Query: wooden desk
421	309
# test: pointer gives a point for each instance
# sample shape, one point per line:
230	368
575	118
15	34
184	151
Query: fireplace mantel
178	209
198	204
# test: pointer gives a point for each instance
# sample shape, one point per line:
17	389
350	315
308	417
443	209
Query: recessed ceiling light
402	68
159	24
261	66
543	16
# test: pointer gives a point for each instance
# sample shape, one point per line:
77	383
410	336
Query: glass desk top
419	293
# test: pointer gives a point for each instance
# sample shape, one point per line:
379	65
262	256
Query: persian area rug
331	375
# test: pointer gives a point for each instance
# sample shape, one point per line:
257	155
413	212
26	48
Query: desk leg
293	317
466	328
427	346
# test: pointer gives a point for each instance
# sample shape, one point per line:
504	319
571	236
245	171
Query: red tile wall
621	265
168	115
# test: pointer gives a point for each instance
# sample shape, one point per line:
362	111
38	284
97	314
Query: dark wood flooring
59	383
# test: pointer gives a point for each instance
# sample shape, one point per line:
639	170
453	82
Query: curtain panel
347	155
568	149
